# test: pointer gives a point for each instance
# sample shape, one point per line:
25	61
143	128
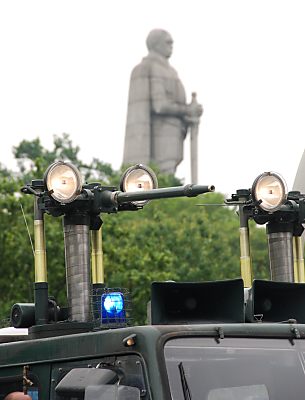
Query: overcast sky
65	67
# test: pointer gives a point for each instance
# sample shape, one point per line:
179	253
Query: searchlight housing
269	191
63	181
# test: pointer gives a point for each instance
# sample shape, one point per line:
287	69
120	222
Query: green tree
16	261
33	160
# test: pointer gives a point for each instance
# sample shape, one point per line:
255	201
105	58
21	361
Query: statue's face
164	45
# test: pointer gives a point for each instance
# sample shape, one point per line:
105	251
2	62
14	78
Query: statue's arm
162	103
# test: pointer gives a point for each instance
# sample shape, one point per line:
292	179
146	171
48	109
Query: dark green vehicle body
265	361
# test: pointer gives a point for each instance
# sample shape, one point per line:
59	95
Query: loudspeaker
197	302
271	301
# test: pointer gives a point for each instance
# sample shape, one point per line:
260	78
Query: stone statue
299	180
158	116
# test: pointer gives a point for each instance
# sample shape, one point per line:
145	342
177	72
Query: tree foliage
194	239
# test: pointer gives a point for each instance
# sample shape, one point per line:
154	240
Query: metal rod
295	260
40	246
177	191
300	258
244	240
41	294
245	257
97	266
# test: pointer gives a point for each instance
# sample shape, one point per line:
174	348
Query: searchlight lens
113	308
138	178
63	181
270	189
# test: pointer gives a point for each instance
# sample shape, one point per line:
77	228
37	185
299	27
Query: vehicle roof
148	338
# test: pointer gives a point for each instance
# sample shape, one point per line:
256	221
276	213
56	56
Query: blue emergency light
113	308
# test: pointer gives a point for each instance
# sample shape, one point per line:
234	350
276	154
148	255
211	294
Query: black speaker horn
197	302
271	301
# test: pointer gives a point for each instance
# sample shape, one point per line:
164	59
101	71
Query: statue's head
160	41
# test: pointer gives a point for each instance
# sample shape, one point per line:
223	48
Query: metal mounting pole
41	280
245	256
97	257
299	257
77	254
280	246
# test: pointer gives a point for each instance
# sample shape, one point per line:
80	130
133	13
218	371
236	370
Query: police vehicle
223	340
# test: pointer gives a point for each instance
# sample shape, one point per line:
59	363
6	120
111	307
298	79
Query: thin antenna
27	227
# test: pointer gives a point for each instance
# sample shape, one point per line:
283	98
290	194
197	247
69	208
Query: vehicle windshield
235	369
